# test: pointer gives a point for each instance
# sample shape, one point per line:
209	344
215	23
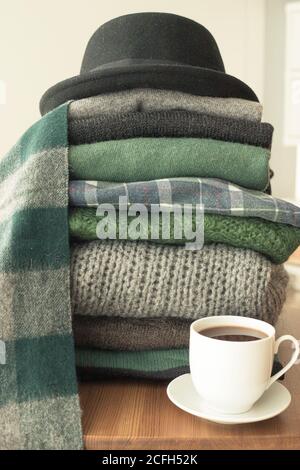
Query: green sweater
164	364
143	159
276	241
152	360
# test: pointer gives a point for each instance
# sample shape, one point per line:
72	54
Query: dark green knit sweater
276	241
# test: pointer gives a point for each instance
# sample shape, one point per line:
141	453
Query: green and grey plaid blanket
217	197
39	405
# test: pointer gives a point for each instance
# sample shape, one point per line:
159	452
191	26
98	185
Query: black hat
149	50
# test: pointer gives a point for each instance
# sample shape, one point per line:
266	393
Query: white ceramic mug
231	376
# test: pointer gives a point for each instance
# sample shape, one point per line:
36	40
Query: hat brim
185	78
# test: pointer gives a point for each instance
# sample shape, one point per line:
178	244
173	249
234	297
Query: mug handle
292	360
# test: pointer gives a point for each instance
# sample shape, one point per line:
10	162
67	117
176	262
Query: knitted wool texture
147	361
277	241
89	374
164	364
168	124
147	99
140	279
150	158
130	334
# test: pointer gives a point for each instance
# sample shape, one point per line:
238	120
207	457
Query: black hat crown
152	37
149	50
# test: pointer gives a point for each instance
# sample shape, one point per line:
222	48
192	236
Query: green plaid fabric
39	405
217	197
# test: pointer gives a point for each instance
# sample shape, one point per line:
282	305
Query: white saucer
182	393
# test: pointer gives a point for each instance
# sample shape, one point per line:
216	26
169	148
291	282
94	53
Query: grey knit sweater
147	99
140	279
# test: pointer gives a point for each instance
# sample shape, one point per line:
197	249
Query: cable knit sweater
140	279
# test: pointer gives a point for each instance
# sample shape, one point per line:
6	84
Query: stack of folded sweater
133	300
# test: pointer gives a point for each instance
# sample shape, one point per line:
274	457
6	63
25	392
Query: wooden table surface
128	414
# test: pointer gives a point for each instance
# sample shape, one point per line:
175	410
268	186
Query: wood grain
128	414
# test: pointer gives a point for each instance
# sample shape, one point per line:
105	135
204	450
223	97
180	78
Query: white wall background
283	159
42	42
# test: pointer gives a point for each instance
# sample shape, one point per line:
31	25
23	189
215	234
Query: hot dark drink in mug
231	360
233	333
